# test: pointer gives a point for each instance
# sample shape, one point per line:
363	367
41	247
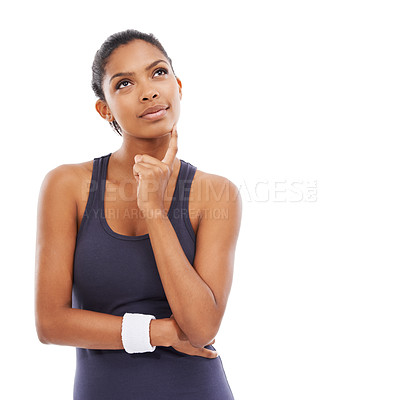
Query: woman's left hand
152	176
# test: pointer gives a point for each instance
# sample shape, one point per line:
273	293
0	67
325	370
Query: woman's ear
103	110
180	86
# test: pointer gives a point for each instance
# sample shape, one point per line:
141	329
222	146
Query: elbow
50	324
40	331
201	339
42	339
41	334
44	331
205	332
200	342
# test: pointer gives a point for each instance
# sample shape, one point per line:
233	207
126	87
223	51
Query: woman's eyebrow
153	64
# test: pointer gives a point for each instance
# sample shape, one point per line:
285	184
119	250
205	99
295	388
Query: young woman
135	249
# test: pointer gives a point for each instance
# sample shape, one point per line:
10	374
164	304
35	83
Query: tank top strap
98	180
184	183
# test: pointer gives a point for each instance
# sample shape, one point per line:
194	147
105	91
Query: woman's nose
151	94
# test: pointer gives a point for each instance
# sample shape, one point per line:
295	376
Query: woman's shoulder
212	188
69	176
71	171
203	178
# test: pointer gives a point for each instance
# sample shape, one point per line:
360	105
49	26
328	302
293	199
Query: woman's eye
162	69
127	83
123	84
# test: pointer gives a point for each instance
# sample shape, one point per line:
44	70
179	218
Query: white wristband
135	333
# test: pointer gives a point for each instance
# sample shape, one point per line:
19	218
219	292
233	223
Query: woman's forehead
133	57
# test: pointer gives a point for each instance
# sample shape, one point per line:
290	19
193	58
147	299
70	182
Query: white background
274	93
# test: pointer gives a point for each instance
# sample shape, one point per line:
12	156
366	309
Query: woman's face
130	88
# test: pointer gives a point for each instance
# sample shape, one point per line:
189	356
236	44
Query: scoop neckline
103	215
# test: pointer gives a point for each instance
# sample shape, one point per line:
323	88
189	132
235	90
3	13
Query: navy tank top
115	274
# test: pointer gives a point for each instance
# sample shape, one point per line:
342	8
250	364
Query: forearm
94	330
191	300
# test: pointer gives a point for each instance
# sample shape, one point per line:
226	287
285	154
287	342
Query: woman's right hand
181	343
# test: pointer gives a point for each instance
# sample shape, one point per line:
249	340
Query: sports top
115	274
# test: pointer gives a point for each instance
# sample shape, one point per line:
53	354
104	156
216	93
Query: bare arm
93	330
198	294
56	321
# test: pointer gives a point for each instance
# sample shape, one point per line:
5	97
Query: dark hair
103	54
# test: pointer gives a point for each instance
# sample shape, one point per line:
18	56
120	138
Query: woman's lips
155	116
